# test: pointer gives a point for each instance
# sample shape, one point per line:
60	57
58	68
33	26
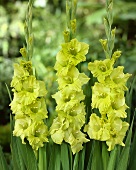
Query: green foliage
132	162
6	71
5	133
47	29
47	36
65	156
123	19
23	157
3	164
124	155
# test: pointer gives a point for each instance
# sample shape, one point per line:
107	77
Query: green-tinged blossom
103	129
28	105
71	6
73	27
23	52
70	108
71	54
110	33
108	93
108	97
66	35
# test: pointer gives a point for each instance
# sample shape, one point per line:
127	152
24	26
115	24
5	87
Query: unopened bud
23	52
103	43
66	35
116	55
73	25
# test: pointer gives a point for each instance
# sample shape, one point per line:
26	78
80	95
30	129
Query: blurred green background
49	21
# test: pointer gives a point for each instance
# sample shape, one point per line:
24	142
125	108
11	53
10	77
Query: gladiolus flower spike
108	97
28	105
70	108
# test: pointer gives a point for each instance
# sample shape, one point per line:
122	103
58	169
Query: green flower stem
68	15
70	32
28	103
108	44
105	156
108	94
70	106
74	7
73	18
28	31
42	164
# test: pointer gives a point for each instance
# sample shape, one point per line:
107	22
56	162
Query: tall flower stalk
70	106
108	92
28	103
107	122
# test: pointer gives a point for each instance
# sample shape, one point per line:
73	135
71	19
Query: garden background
49	21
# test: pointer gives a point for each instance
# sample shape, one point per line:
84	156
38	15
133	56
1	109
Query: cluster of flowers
29	106
108	98
70	107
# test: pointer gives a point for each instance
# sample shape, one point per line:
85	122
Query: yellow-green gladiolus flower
75	138
71	54
20	72
117	133
36	110
101	69
73	79
31	89
21	127
75	117
117	108
101	97
74	51
67	99
58	128
37	135
15	105
17	83
98	128
62	69
118	79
